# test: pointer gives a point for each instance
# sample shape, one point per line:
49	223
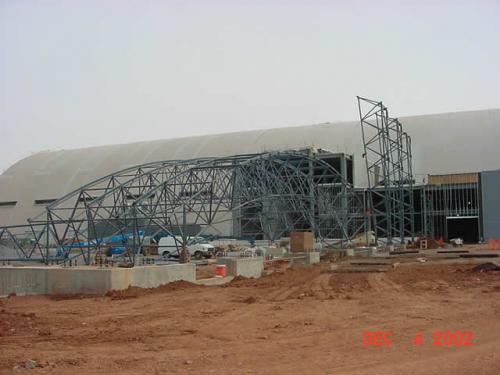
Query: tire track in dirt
317	286
379	282
320	287
284	293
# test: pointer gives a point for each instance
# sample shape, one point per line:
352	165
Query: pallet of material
301	242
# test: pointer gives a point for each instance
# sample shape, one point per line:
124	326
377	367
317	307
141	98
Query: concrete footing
361	251
306	258
215	281
312	257
89	280
246	267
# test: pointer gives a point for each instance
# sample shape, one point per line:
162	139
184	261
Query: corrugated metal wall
490	195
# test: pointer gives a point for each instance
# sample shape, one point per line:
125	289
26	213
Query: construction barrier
494	244
220	270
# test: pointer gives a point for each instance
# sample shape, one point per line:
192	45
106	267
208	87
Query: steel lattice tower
388	158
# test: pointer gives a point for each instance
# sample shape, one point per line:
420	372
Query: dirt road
299	321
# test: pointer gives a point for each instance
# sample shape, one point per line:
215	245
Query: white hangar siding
442	143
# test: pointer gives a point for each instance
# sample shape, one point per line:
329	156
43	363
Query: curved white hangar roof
442	143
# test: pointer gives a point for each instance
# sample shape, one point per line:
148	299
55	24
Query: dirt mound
176	285
134	292
64	297
123	294
249	300
431	243
239	280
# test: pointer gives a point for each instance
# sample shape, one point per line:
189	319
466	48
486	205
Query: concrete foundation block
154	276
312	257
274	251
246	267
306	258
215	281
89	280
22	281
78	280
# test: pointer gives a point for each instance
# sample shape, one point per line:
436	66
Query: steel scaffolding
388	158
269	194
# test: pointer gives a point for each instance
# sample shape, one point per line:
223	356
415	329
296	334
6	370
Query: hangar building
456	161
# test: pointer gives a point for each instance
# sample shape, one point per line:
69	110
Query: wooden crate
301	242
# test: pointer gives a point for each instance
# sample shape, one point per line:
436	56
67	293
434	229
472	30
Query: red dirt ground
298	321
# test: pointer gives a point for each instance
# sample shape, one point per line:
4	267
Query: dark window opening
8	204
44	201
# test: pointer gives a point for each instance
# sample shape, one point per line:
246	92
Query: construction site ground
301	320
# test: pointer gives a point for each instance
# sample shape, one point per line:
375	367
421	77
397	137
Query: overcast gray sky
84	73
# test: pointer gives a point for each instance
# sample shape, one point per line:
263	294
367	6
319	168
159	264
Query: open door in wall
466	228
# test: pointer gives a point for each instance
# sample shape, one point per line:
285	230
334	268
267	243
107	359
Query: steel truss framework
439	203
271	193
388	157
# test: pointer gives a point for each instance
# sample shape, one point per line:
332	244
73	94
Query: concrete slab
246	267
22	280
154	276
214	281
313	257
89	280
305	258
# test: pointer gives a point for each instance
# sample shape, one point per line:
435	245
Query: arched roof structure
442	143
